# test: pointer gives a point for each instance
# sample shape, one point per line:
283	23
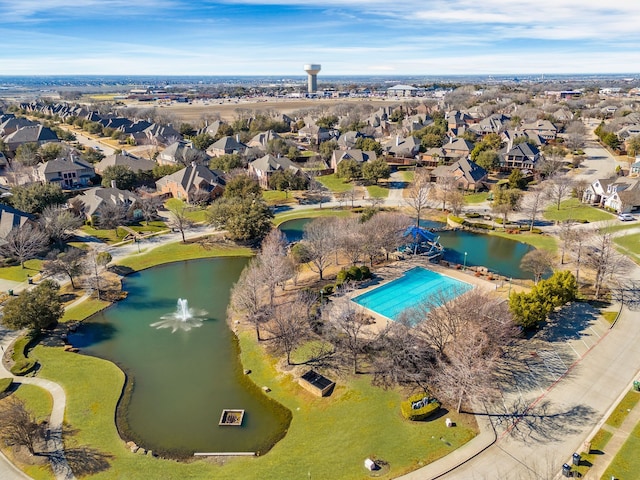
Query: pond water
500	255
183	380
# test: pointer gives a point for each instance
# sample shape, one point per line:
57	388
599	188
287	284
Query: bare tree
456	202
575	135
318	243
537	262
24	243
60	222
444	188
419	194
71	263
179	219
349	329
149	206
276	265
533	203
579	187
18	426
112	215
96	264
288	327
605	261
560	187
248	293
351	238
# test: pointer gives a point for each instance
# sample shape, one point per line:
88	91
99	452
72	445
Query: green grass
408	175
39	402
19	274
276	196
573	209
84	309
362	419
619	227
175	252
377	191
587	459
622	410
609	316
335	184
474	198
626	464
197	215
538	241
630	243
110	236
315	213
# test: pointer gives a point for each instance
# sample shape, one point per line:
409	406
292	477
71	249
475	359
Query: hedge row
23	365
353	274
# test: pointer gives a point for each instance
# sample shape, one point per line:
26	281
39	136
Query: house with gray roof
544	128
402	147
355	154
182	153
262	139
226	146
135	164
621	194
67	172
11	218
402	91
264	167
468	174
32	134
13	123
523	157
192	183
91	201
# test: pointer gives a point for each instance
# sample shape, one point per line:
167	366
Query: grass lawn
19	274
630	243
473	198
197	215
587	459
175	252
573	209
620	227
364	420
335	184
39	402
276	196
84	309
538	241
315	213
609	316
378	191
408	175
108	236
626	464
622	410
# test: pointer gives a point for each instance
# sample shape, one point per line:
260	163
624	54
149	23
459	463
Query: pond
500	255
183	380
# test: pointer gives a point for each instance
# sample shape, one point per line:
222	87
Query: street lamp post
465	261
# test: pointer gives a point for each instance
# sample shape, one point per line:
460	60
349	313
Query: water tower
312	70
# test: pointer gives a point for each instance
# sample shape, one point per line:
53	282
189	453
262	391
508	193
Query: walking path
55	446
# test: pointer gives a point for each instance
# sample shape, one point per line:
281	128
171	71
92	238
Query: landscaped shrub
455	219
327	290
5	383
472	215
482	226
419	407
23	365
535	230
354	274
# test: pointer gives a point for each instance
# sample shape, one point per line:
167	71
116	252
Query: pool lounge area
414	286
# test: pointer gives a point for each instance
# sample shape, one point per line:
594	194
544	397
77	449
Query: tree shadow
569	323
540	423
83	460
628	293
89	334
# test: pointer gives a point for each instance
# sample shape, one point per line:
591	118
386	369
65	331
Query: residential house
523	157
544	128
11	218
348	140
456	119
226	146
402	91
135	164
351	154
468	174
509	136
10	124
407	147
635	168
264	167
181	153
621	194
495	123
315	135
91	201
66	172
32	134
262	139
456	149
192	183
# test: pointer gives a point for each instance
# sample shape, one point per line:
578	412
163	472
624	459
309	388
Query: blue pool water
407	291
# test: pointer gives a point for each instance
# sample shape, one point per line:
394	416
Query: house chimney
397	140
193	164
113	184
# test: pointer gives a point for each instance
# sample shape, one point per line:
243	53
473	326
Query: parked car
625	217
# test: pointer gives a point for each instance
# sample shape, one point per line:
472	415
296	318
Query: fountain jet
184	318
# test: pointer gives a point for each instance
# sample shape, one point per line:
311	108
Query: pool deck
500	285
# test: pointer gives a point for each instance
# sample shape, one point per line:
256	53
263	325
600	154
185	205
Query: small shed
317	384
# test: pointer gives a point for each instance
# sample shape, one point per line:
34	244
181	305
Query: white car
625	217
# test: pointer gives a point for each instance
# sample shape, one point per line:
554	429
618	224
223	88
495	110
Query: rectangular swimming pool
414	286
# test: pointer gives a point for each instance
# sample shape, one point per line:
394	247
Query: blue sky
348	37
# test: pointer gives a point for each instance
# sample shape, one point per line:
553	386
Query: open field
228	109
